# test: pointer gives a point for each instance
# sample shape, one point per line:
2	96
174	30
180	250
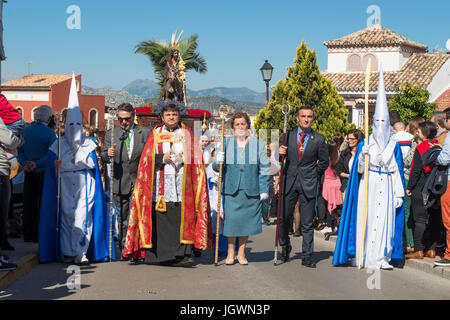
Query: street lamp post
266	72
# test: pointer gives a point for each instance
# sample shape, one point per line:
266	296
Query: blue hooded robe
346	240
99	245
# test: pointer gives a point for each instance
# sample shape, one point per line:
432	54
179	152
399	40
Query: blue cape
346	240
99	244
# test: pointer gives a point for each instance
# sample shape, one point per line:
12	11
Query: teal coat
251	175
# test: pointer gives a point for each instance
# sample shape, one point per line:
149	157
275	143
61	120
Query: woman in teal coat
245	179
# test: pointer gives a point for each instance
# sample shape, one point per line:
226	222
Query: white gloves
398	202
365	149
220	158
263	196
215	179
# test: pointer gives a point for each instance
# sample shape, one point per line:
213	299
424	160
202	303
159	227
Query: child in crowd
14	122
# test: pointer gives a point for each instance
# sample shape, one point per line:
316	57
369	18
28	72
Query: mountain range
148	90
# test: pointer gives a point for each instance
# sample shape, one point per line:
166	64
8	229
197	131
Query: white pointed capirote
74	125
381	125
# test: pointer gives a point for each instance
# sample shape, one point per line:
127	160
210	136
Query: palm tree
159	51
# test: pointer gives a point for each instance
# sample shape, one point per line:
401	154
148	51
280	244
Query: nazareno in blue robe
99	245
346	240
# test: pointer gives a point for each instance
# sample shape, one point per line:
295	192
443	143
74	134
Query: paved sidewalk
425	264
25	256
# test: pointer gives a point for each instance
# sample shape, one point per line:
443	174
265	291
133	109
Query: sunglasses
124	119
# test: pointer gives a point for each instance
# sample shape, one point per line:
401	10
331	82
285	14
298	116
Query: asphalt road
260	280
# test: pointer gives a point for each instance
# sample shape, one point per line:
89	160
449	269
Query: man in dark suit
306	160
129	141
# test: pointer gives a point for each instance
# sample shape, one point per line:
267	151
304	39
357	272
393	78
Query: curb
24	264
422	265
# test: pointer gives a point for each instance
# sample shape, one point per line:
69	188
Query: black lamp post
266	71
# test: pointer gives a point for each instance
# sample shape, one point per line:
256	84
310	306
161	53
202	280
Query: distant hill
148	90
212	103
115	97
234	94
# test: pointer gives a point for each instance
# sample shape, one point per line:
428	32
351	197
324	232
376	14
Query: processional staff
58	118
286	109
366	164
223	111
113	113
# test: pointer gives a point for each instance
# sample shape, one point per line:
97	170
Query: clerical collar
167	129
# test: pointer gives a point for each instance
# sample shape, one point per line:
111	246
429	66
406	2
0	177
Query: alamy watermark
374	281
73	22
375	18
74	280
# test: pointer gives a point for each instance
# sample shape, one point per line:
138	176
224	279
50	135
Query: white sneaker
81	260
386	266
326	230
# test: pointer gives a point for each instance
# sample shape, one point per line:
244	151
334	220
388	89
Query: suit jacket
125	168
255	169
309	170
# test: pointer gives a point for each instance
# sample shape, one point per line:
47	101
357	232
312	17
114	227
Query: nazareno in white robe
385	185
77	197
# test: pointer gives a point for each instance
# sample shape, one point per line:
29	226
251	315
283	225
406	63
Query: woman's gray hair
42	113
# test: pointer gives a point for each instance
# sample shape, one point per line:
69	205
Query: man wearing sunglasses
126	149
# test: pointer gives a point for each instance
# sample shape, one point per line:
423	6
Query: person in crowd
274	171
207	148
81	235
246	173
346	158
394	117
8	140
14	122
444	160
440	127
413	129
426	221
124	153
331	192
339	140
170	213
375	241
403	138
306	160
33	158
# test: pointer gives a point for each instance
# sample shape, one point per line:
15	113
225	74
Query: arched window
374	63
354	63
93	115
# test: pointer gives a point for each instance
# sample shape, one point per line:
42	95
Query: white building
404	61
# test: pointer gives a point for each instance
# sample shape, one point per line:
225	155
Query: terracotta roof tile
37	80
418	70
375	35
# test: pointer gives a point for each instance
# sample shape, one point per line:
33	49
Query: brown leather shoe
430	254
414	255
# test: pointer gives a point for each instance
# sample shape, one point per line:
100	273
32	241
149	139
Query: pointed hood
381	125
74	124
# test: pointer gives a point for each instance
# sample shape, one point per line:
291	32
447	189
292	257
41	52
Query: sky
235	37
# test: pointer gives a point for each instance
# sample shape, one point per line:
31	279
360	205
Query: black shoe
186	262
308	263
297	233
285	251
122	258
7	246
6	266
197	253
137	260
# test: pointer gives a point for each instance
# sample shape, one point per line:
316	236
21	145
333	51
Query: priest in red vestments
170	212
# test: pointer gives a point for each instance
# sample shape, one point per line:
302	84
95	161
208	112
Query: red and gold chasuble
195	212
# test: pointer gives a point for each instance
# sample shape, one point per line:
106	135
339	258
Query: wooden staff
223	110
366	165
58	179
285	110
113	113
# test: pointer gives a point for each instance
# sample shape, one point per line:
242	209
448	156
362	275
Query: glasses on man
124	119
